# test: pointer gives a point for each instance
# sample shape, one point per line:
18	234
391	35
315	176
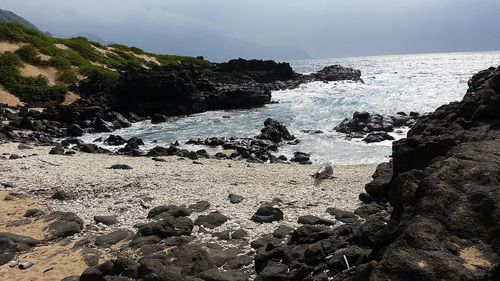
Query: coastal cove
392	84
125	165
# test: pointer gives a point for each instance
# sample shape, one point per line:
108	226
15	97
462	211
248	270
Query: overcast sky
321	28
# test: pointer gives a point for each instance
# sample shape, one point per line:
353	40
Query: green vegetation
31	89
81	57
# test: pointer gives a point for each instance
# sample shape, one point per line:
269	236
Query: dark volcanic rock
75	130
374	127
170	210
107	220
235	199
112	238
301	157
212	220
444	188
267	213
199	206
57	151
64	224
114	140
313	220
167	227
63	195
377	137
120	167
275	132
336	73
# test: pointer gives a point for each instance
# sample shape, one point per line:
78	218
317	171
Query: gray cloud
324	28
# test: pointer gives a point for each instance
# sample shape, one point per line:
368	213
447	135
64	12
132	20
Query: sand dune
8	98
10	47
50	73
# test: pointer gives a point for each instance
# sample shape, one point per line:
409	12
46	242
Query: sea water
406	83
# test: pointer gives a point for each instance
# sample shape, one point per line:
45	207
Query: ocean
396	83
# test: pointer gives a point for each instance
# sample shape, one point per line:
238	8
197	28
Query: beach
129	194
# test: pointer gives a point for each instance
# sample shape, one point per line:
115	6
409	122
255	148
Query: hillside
10	17
35	68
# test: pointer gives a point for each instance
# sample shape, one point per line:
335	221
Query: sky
279	29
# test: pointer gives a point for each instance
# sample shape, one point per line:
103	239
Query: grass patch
28	89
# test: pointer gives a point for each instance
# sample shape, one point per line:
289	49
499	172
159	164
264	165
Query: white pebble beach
103	191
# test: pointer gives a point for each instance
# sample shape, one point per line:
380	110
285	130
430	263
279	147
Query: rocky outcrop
436	206
375	127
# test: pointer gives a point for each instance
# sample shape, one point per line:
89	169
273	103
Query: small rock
211	220
112	238
57	151
63	195
31	213
9	197
267	213
107	220
313	220
199	206
120	167
235	199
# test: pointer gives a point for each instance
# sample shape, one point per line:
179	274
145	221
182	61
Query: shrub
29	54
83	47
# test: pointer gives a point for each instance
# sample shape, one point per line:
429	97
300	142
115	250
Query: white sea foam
392	83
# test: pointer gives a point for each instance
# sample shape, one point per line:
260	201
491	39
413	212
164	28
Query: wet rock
75	130
102	126
158	118
135	142
212	220
336	73
114	140
377	137
92	148
301	157
275	132
267	214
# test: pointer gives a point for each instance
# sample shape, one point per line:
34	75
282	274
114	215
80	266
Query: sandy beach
129	193
103	191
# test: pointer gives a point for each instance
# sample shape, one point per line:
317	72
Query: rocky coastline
430	213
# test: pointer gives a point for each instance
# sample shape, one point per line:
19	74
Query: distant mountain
214	47
90	36
8	16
